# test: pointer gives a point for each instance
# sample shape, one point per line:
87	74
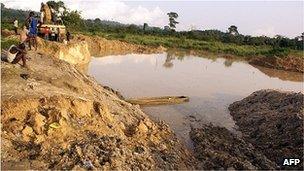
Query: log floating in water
165	100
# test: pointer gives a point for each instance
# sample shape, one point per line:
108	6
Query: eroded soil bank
55	117
295	64
271	125
272	121
217	148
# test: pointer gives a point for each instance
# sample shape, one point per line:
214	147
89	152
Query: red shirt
46	30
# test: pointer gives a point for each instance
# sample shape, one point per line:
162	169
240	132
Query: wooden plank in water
165	100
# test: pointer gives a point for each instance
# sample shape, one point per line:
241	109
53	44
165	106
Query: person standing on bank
33	22
16	26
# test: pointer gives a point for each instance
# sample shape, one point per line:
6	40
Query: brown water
211	84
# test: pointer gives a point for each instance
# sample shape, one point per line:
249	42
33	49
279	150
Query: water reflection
228	62
212	84
168	62
172	55
180	55
282	75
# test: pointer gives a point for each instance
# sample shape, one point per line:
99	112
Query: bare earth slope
217	148
273	122
289	63
55	117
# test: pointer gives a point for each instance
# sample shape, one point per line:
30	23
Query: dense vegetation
211	40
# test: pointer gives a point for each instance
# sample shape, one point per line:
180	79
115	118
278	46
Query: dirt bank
99	46
217	148
80	50
55	117
273	122
281	74
295	64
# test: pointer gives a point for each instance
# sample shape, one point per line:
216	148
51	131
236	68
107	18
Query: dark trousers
16	30
20	56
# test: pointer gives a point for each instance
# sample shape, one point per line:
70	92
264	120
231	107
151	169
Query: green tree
58	6
145	26
172	20
301	38
233	30
97	21
73	20
299	42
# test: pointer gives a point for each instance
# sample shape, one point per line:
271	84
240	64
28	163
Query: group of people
29	36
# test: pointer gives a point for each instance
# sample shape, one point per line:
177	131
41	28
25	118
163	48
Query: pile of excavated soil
217	148
55	117
289	63
273	122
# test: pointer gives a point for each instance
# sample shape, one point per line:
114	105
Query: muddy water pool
211	84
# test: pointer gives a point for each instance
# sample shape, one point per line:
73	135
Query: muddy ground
217	148
271	130
289	63
55	117
272	121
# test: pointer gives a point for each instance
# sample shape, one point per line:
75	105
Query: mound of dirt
217	148
6	32
289	63
55	117
273	122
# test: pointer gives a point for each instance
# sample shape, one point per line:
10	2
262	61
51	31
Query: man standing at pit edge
16	26
33	22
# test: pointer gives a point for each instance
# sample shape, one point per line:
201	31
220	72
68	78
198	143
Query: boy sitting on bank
16	53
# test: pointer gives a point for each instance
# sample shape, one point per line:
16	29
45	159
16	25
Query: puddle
211	84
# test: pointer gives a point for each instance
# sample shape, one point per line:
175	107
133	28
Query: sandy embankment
289	63
56	117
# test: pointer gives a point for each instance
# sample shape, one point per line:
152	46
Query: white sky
252	17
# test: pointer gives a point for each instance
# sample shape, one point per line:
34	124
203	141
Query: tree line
74	22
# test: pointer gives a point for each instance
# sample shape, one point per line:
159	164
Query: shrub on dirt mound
273	122
217	148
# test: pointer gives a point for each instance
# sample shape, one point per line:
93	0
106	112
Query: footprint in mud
25	76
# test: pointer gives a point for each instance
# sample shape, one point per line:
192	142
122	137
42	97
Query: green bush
6	43
278	52
120	36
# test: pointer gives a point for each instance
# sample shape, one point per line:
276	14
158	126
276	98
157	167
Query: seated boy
17	53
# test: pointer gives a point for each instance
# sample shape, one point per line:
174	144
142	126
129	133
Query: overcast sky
251	17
